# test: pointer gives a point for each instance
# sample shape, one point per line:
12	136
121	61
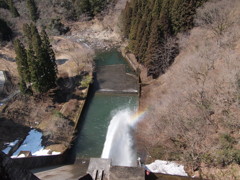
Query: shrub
227	141
58	114
86	81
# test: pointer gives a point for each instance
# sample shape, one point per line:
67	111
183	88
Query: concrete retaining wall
51	160
41	161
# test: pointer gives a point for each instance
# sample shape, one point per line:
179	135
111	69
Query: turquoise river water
99	110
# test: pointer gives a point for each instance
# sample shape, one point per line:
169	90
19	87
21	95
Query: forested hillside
49	14
51	71
190	48
193	108
152	26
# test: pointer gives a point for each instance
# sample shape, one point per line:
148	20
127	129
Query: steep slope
193	109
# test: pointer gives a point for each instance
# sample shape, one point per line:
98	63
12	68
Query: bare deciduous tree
216	16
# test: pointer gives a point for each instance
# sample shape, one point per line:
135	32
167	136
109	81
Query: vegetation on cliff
152	26
55	112
50	14
32	10
36	65
89	7
194	107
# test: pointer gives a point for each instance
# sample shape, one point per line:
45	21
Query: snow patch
166	167
21	155
33	143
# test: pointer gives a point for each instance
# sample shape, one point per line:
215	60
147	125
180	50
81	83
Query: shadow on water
73	151
96	83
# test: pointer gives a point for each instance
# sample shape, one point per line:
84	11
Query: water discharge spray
119	143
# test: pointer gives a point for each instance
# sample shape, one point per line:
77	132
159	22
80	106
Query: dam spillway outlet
119	145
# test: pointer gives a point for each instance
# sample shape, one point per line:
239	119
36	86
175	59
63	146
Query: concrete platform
99	169
67	172
129	173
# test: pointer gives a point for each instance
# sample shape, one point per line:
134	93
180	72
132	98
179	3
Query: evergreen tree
144	45
154	42
97	5
27	33
149	24
36	40
182	15
5	31
50	60
139	36
83	7
22	63
23	86
40	58
44	63
127	18
165	17
3	4
33	68
36	66
13	9
32	10
156	8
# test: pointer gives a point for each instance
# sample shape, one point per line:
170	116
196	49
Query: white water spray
119	143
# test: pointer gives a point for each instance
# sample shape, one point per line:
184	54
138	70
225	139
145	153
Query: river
112	91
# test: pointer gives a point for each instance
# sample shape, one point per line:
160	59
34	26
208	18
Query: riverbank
56	112
55	119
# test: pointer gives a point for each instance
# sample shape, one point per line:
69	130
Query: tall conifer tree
13	9
127	18
39	59
27	33
37	65
4	4
148	25
23	86
50	60
33	68
21	59
32	10
22	65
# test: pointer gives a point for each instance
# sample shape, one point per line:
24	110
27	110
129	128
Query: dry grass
197	99
55	118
